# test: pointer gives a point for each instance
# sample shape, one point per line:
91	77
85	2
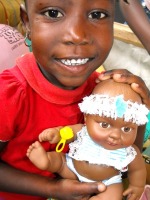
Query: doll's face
109	133
113	133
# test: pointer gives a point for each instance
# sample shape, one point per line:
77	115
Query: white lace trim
85	149
114	107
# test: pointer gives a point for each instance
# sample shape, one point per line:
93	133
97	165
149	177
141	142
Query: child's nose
77	32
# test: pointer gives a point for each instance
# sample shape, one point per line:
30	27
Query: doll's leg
50	161
113	192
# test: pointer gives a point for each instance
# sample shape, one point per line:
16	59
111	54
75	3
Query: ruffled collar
29	68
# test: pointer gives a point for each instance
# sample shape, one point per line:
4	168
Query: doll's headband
115	107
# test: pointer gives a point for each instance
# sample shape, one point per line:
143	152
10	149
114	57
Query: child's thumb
101	187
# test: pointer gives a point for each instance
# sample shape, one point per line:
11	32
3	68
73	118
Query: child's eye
104	125
52	13
126	129
97	15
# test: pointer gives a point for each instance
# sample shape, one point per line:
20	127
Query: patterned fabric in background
10	13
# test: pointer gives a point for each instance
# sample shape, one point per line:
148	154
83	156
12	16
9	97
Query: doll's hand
133	193
75	190
123	75
51	135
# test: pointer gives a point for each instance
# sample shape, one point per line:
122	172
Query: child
70	40
112	115
137	20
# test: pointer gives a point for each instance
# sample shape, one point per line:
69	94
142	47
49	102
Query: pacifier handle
66	133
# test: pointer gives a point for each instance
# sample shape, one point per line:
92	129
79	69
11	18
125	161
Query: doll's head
113	113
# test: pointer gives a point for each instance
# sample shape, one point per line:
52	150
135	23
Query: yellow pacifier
66	133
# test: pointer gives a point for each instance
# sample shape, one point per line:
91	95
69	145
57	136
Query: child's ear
24	17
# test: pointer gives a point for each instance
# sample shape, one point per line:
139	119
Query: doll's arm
137	177
53	134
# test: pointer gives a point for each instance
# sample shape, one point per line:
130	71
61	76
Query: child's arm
137	20
137	177
32	184
53	134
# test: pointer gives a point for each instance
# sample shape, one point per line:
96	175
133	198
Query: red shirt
30	104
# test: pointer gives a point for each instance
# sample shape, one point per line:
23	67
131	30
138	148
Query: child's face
70	38
109	133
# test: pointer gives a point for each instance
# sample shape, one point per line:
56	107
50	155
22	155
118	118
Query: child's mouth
74	62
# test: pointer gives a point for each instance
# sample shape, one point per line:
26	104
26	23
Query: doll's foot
37	155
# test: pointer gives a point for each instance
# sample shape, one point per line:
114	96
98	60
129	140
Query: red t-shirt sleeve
11	97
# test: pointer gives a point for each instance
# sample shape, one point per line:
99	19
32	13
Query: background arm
138	21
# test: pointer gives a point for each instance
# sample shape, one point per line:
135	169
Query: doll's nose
115	134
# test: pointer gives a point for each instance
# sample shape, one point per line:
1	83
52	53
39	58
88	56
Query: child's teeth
74	61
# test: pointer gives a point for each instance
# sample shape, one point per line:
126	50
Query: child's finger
143	92
110	74
95	187
127	192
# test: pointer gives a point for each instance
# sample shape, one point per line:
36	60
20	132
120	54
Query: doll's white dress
85	149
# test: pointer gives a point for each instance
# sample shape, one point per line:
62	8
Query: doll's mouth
112	144
74	62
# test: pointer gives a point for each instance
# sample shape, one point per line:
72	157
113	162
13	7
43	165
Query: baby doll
104	147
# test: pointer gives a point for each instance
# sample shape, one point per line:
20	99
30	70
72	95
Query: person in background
138	21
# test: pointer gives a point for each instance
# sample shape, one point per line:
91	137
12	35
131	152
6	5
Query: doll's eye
104	125
52	13
97	15
126	129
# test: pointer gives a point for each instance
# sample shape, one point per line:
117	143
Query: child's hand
133	193
75	190
123	75
51	135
